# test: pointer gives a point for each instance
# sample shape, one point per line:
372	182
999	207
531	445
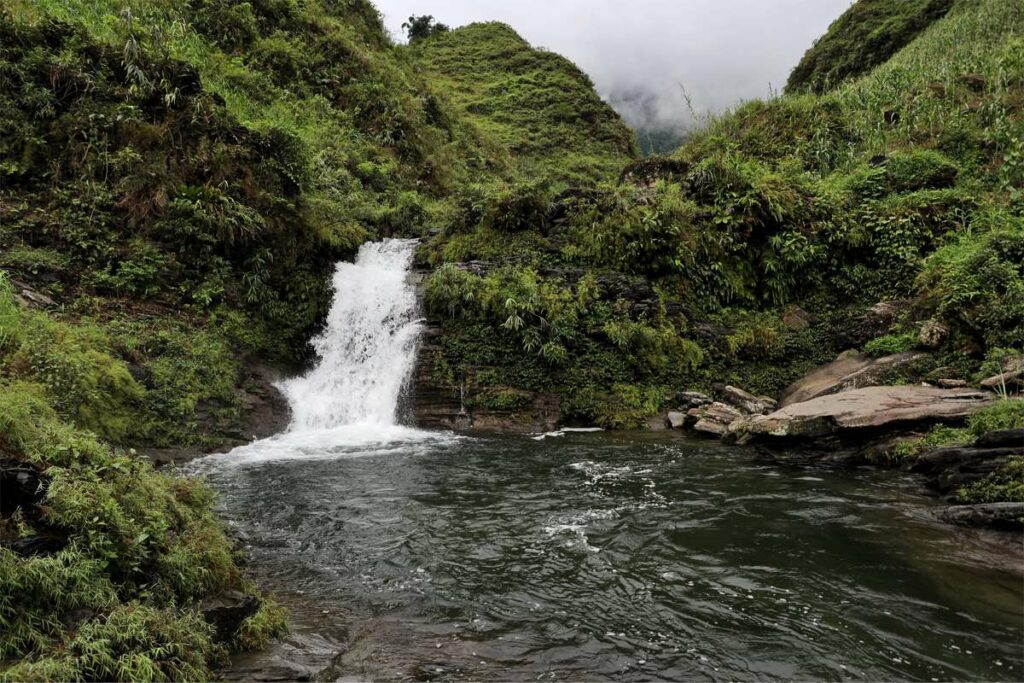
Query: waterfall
367	350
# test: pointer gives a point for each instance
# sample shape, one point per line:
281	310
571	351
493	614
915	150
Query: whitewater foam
367	350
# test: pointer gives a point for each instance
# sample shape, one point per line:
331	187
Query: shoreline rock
860	413
850	370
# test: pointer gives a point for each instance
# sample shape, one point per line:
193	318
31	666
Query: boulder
745	401
932	334
947	383
879	319
796	318
849	371
714	418
30	297
861	411
675	419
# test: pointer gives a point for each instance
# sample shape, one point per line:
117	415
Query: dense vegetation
751	254
862	38
177	180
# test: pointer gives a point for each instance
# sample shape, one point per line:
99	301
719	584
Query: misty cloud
647	57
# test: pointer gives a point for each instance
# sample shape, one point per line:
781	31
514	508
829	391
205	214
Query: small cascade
367	350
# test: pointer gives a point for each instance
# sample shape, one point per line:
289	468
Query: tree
420	27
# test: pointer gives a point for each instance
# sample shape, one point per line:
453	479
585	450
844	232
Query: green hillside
865	36
539	104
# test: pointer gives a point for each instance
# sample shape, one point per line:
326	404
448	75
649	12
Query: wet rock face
21	486
434	403
1005	516
227	612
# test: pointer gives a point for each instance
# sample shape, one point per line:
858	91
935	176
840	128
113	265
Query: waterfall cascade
367	350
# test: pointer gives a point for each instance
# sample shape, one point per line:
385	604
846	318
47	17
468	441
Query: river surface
594	556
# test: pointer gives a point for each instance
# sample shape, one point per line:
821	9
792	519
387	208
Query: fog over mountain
648	56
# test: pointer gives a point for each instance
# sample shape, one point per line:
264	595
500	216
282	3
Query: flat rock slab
849	371
869	408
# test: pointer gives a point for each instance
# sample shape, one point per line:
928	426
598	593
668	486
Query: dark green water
595	556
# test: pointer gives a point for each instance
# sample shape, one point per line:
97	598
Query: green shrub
976	284
919	170
1005	485
132	643
890	344
516	208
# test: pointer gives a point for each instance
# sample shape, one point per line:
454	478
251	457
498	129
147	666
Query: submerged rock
849	371
861	410
1008	516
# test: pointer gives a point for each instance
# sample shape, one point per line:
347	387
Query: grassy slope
539	104
865	36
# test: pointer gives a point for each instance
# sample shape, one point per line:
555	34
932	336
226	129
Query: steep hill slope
865	36
539	104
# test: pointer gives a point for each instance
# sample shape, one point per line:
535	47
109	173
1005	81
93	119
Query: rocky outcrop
861	412
714	419
262	412
952	467
745	401
849	371
703	414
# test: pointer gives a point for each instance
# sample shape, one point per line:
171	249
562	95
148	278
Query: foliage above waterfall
537	103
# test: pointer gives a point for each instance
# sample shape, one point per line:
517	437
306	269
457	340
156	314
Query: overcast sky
642	54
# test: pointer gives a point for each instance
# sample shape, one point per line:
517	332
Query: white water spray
367	350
